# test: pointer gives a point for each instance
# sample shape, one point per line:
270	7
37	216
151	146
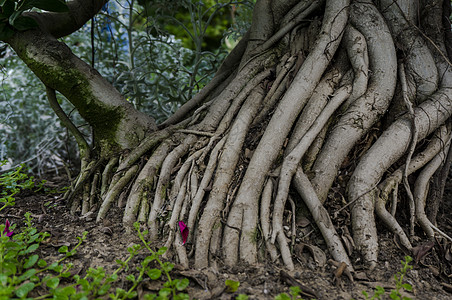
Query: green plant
11	183
294	293
231	285
378	292
395	293
21	270
172	288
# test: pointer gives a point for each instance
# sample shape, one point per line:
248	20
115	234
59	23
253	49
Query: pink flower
183	231
7	231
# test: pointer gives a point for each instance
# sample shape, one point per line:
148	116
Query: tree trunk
319	99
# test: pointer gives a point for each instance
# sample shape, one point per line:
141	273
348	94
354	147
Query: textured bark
319	99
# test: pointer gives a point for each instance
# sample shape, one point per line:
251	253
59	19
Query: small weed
231	286
23	272
400	286
294	293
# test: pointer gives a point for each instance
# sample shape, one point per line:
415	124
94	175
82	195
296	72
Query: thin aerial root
315	106
93	192
163	182
391	223
228	118
107	174
395	196
85	198
280	125
291	161
412	147
178	196
194	182
321	218
293	231
84	175
140	193
196	132
420	194
172	224
208	173
181	251
440	183
230	156
279	86
147	144
421	159
369	107
265	219
114	192
181	177
356	46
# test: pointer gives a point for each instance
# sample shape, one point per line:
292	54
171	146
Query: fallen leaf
184	231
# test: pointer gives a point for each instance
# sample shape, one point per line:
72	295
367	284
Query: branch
62	24
82	144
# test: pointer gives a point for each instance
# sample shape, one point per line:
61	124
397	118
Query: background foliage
156	53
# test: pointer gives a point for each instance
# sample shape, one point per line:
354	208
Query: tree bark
319	99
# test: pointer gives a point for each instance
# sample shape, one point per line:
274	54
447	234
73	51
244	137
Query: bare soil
107	242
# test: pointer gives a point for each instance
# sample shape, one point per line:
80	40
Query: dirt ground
106	242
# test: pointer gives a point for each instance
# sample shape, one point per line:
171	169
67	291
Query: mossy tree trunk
321	102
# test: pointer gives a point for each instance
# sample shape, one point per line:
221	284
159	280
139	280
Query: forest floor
107	242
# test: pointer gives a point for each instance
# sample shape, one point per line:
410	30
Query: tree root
293	114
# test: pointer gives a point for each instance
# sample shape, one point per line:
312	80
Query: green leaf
282	296
154	274
63	249
104	289
32	248
132	295
231	285
182	284
53	282
167	267
183	296
27	274
31	261
165	292
295	291
161	251
24	289
407	287
64	293
42	263
131	277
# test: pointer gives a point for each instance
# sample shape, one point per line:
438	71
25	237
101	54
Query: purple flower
7	231
183	231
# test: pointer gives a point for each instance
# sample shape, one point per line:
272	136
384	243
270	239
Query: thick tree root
298	117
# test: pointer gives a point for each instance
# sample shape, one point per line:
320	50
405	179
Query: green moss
57	71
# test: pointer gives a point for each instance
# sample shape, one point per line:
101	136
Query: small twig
414	135
189	131
353	201
305	290
294	227
232	227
